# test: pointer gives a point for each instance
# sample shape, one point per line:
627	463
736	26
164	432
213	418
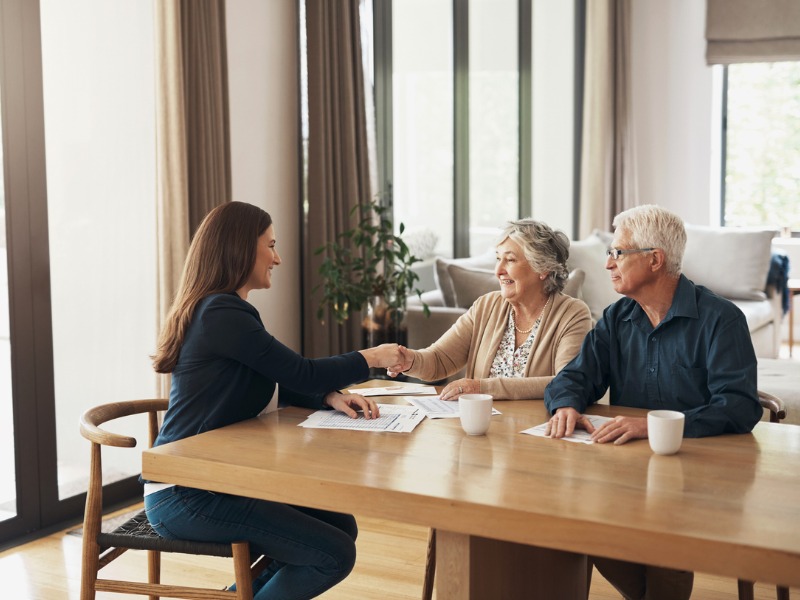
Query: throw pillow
469	284
589	255
574	284
731	262
442	278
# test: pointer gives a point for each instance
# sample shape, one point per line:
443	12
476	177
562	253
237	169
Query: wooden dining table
516	514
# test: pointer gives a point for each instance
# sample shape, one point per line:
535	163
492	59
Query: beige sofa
733	263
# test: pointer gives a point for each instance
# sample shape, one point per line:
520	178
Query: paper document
394	390
579	435
436	408
395	418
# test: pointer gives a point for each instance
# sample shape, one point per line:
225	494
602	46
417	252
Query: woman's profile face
516	276
266	259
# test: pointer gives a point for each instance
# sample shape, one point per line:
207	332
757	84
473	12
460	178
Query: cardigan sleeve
448	354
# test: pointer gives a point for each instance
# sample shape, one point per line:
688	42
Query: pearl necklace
541	314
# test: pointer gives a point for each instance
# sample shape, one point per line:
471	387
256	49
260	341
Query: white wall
263	83
673	107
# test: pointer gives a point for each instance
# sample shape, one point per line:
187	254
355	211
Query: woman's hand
350	403
388	356
460	386
565	421
406	363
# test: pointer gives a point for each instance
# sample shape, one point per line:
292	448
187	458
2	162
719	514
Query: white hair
651	226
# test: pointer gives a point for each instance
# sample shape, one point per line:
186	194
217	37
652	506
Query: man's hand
564	422
350	403
620	430
461	386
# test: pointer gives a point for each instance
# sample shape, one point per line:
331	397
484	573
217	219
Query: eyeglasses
614	254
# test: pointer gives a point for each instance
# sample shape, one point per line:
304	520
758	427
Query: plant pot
382	324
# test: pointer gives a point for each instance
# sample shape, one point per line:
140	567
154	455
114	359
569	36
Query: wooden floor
391	559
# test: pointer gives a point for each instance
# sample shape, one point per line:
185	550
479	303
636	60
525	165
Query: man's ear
658	260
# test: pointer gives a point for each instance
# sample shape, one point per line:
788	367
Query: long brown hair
220	259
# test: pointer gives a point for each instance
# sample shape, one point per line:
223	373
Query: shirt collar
684	304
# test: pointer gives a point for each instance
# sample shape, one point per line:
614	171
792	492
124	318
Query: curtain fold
192	134
338	158
205	74
740	31
608	169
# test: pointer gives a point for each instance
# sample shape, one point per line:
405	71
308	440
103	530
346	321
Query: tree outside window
762	170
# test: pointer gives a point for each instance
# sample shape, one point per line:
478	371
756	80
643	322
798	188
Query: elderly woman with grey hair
512	341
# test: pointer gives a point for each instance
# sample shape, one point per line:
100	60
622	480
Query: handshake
393	357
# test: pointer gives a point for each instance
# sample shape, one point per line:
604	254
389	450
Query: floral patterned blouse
510	362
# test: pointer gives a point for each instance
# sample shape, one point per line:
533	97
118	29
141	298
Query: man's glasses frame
614	253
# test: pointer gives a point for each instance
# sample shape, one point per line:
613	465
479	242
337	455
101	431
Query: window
457	94
761	145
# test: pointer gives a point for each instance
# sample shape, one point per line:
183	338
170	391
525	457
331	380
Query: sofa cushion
442	278
574	284
731	262
469	284
757	312
589	255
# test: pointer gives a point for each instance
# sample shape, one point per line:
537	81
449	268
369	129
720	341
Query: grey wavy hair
650	226
546	250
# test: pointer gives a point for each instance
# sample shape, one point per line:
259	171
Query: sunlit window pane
493	119
762	179
422	52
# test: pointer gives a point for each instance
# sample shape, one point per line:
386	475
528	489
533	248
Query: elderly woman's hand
461	386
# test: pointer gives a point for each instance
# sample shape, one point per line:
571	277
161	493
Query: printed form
579	435
394	418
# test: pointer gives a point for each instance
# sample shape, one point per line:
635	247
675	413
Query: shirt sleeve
584	380
233	330
733	406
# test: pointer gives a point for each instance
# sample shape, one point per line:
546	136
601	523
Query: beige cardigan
473	341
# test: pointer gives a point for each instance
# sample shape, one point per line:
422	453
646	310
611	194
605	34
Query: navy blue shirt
699	360
229	365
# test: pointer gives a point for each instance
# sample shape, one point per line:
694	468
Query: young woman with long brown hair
225	368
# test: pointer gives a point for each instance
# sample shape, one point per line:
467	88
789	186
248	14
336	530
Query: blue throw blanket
778	276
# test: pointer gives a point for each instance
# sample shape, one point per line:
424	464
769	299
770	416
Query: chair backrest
94	417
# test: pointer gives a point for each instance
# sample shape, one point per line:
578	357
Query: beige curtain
205	75
739	31
608	169
192	135
338	163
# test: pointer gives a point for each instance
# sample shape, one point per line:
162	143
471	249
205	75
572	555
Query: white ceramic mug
665	430
475	411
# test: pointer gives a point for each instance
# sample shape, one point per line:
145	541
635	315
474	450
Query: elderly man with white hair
669	344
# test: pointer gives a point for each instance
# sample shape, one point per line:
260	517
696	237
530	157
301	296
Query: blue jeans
312	550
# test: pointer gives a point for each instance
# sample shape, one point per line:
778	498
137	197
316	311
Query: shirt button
652	369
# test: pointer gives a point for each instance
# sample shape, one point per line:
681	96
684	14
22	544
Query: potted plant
368	269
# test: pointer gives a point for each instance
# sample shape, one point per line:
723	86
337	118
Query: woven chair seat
136	533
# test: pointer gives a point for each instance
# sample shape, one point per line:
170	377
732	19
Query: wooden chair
777	412
99	549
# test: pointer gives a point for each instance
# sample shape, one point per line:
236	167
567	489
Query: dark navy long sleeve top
699	360
229	365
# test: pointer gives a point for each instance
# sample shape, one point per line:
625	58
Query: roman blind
739	31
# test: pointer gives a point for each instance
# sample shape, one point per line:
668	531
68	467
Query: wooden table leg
475	567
